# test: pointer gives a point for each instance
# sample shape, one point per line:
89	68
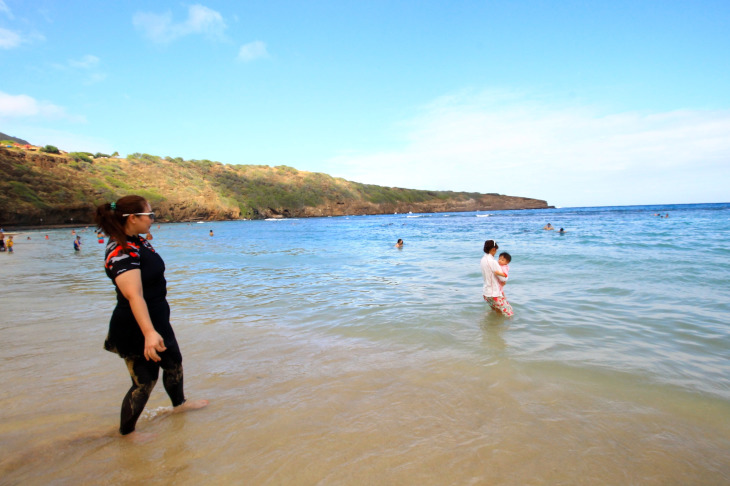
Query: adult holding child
139	329
491	290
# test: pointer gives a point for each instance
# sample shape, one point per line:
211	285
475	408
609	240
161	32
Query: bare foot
140	437
190	405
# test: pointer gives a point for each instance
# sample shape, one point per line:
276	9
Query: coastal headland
41	189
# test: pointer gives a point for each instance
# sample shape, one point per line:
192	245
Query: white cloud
9	39
161	28
95	78
87	66
24	106
569	155
252	51
86	62
204	20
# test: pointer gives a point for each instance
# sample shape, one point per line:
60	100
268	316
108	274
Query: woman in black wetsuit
139	329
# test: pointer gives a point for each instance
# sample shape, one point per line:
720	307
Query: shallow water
331	357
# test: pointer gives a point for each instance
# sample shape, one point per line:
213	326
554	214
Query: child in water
77	244
10	244
491	272
504	261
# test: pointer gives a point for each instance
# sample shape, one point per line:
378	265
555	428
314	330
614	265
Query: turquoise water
332	357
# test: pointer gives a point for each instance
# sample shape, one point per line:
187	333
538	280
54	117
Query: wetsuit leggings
144	377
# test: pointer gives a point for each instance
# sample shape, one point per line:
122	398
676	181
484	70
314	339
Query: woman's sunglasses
151	215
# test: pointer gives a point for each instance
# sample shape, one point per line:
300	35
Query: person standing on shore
139	329
491	290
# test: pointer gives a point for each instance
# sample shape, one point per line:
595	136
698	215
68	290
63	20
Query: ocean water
332	357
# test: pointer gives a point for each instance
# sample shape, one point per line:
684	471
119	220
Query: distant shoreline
48	226
27	227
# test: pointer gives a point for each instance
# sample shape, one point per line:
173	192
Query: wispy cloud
252	51
46	14
88	66
94	78
24	106
510	144
5	10
161	27
10	39
86	62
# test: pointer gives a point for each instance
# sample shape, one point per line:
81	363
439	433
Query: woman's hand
153	343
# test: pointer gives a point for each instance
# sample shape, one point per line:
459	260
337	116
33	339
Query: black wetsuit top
125	337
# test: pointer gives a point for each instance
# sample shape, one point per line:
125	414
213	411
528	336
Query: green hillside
63	188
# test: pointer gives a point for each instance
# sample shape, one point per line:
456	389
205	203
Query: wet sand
304	410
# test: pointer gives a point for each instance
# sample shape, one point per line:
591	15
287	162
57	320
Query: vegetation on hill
46	188
9	138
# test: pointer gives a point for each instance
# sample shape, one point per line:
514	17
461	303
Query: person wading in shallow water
490	271
139	329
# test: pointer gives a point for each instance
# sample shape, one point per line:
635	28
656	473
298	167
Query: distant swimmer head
490	246
399	243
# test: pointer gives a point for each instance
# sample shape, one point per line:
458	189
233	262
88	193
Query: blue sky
580	103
